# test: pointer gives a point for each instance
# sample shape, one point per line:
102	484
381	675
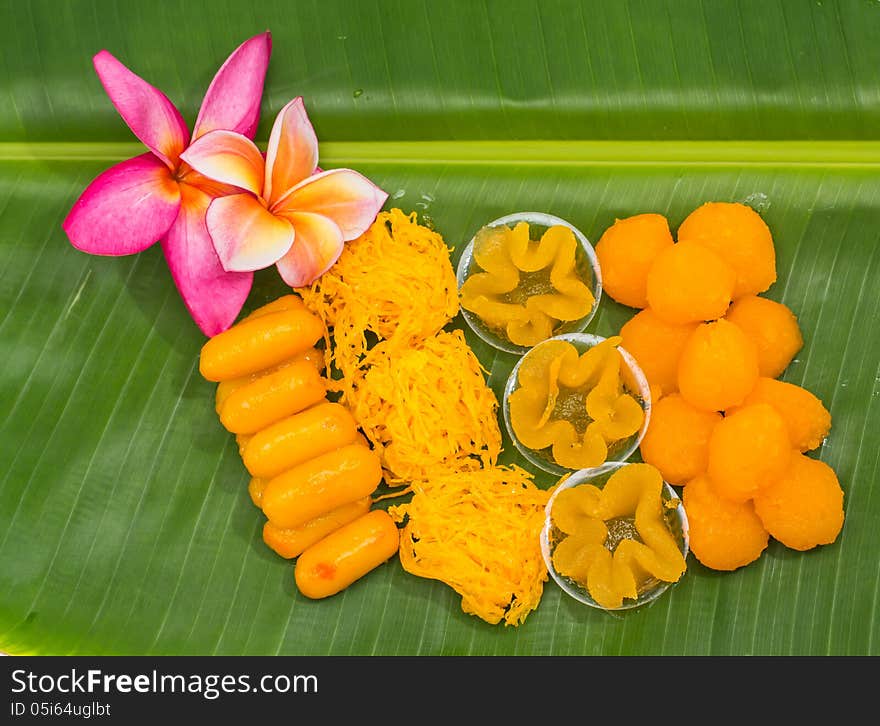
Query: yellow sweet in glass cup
616	536
576	401
526	277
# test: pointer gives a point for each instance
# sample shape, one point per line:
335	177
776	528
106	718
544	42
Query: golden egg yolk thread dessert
479	533
394	283
427	409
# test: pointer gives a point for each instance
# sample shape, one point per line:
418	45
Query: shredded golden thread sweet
394	283
478	532
427	408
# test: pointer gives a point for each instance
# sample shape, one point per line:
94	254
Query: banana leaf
125	525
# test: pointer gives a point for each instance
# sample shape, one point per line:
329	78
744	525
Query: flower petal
200	181
246	235
348	198
317	246
125	209
213	296
232	101
292	154
146	110
228	157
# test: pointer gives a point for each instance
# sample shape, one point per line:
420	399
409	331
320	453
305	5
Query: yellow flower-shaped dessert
526	288
574	407
615	541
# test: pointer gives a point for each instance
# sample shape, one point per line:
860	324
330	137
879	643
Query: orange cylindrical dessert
256	487
229	386
347	554
292	542
260	342
321	484
285	302
295	439
272	397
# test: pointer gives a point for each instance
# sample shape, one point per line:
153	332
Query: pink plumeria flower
157	196
291	214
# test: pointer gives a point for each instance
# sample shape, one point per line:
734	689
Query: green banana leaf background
125	524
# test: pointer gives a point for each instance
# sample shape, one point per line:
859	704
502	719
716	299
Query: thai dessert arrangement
368	433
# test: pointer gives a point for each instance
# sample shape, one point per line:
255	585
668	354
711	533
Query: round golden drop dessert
724	535
806	418
804	507
772	327
748	451
718	366
737	234
626	251
690	283
656	345
677	439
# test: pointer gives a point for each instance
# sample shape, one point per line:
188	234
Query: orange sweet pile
312	472
712	348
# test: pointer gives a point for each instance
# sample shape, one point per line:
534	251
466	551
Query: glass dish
620	451
676	519
587	267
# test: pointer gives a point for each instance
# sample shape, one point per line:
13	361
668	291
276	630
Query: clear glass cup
676	518
621	451
587	265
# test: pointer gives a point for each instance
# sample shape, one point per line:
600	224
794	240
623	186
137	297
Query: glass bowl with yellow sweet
615	537
575	401
527	277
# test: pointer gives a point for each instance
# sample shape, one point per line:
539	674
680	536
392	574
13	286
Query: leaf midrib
836	153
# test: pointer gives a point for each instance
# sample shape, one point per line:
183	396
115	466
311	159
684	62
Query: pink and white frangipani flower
287	212
157	196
